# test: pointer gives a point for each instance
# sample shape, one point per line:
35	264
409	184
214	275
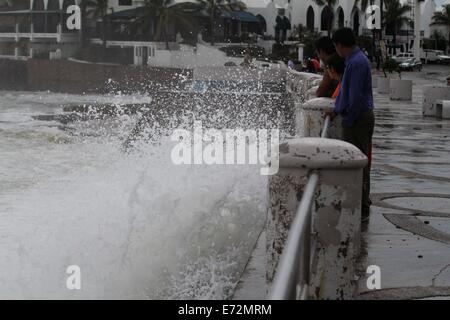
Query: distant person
335	70
316	64
291	64
310	66
448	81
325	50
248	60
378	58
355	104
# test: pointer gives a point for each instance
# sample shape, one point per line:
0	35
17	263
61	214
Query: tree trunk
82	32
448	39
165	36
395	40
213	7
104	31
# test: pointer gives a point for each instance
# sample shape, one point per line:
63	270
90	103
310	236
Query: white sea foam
137	225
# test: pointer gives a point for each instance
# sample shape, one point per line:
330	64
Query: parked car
443	59
402	57
411	64
431	56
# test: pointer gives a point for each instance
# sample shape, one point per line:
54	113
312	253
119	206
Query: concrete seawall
14	75
75	77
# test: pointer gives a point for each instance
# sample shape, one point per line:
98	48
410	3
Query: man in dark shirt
355	103
325	50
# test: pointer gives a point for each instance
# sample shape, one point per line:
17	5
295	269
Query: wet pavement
409	231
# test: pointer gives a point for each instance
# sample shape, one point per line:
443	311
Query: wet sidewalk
409	230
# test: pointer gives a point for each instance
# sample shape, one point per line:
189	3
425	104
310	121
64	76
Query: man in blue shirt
355	103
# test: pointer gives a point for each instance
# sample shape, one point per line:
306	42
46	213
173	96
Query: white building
313	16
36	28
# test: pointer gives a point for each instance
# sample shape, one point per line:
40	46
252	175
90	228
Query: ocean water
137	225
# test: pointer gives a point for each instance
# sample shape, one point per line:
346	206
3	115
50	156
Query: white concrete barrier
316	81
383	85
311	93
375	81
310	118
442	109
431	94
336	213
298	83
401	89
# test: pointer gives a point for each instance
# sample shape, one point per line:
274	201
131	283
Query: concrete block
383	85
375	81
401	89
431	94
442	109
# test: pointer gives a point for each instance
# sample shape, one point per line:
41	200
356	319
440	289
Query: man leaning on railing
355	104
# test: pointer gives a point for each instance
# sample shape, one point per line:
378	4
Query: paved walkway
409	231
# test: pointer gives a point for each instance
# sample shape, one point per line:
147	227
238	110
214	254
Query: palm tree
443	19
395	17
166	12
330	4
215	8
82	31
99	8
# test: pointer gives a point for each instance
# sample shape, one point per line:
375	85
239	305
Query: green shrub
390	66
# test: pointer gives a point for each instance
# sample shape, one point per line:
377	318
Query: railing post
16	29
58	33
310	118
32	32
336	213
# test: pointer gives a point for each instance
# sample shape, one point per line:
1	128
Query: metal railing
292	278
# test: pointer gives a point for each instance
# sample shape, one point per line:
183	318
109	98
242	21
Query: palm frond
443	17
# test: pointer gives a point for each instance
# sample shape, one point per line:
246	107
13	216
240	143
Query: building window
341	18
310	17
326	21
356	23
125	2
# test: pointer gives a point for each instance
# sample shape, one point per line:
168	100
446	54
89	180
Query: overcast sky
439	2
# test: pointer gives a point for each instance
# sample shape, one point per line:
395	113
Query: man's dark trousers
360	135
